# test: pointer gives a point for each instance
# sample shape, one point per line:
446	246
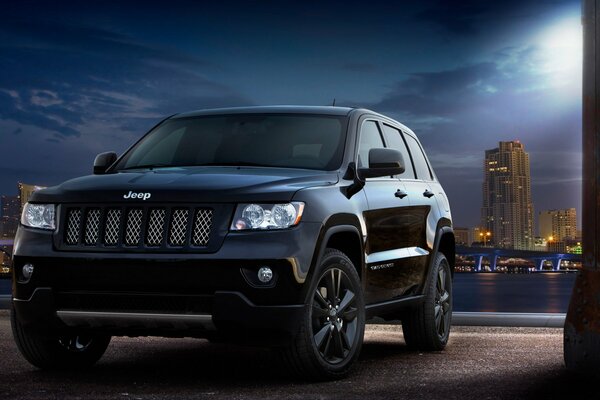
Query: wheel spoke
445	296
345	340
438	315
350	314
338	283
442	326
337	342
327	348
330	281
323	333
441	280
346	301
320	299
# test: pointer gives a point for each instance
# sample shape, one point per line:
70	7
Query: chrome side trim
417	252
396	254
133	320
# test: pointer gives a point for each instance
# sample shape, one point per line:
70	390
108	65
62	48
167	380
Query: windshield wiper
147	166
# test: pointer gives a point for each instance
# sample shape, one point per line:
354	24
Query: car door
423	211
385	222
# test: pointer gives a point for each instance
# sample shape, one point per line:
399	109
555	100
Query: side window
422	169
370	138
393	137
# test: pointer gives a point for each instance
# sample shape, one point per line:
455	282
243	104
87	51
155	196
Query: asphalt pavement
479	363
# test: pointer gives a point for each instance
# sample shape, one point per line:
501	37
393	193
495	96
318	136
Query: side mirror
383	162
103	161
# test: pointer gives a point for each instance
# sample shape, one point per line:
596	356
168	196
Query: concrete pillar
493	262
556	263
539	263
478	261
582	325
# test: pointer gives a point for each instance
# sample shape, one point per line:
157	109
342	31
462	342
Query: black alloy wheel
334	316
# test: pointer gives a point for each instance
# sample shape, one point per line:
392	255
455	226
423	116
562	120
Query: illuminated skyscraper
507	210
9	215
558	224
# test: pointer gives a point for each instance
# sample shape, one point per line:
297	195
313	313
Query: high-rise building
559	225
462	236
507	210
10	207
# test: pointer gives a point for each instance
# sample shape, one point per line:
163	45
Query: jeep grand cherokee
281	226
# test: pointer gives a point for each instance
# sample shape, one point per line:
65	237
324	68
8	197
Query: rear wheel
427	326
333	325
58	352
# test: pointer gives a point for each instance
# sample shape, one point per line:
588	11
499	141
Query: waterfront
544	292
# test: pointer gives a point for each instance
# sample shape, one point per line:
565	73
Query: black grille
151	227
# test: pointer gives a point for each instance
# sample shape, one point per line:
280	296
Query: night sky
79	78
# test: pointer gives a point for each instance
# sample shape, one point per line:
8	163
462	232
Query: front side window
370	138
393	137
273	140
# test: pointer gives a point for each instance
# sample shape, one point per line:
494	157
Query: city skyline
462	75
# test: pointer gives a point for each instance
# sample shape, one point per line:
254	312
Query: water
490	292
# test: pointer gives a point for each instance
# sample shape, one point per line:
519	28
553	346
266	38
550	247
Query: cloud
92	75
44	98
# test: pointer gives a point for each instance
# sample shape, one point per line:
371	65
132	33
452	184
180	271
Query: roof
326	110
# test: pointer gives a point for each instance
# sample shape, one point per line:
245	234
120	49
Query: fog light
265	274
27	271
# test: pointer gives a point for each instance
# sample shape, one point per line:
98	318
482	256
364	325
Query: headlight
39	216
267	216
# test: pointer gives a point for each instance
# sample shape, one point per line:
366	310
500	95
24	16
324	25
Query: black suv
280	226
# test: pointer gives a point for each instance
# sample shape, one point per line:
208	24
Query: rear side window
421	167
370	138
393	137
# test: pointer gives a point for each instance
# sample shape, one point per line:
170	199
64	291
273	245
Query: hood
187	185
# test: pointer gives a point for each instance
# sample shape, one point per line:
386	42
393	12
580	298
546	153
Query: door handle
401	194
428	193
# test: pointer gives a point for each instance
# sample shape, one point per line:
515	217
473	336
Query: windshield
274	140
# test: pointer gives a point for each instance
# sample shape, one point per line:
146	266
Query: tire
333	325
427	326
59	352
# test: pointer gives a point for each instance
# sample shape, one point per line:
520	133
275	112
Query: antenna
333	105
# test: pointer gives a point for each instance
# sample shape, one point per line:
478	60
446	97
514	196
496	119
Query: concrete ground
479	363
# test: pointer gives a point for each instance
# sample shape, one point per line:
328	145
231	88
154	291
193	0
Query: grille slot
136	228
156	227
202	225
177	232
73	226
92	226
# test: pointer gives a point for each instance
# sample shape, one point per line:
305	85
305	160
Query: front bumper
168	294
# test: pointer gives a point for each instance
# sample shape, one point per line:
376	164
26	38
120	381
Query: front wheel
60	352
426	327
333	325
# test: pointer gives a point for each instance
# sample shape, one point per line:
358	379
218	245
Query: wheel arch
345	238
444	243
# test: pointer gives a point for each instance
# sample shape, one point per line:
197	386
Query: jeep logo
134	195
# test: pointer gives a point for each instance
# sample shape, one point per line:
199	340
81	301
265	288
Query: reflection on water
493	292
